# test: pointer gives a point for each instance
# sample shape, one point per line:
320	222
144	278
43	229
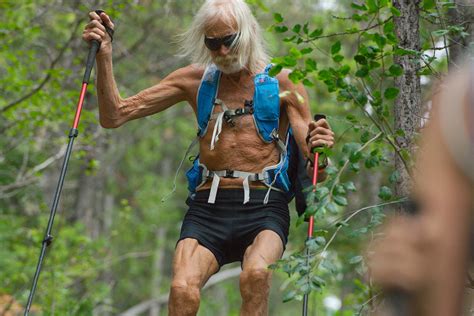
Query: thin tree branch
29	177
349	32
366	303
141	40
48	75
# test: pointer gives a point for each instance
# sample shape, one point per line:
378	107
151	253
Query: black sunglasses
214	43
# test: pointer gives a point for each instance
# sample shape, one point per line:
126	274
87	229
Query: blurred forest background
369	65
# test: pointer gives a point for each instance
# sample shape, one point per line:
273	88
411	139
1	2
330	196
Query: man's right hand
95	30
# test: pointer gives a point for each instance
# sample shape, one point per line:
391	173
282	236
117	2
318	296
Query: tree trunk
408	102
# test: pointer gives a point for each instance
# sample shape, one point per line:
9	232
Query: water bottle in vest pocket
267	101
194	175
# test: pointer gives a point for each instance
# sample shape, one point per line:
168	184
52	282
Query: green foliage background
114	237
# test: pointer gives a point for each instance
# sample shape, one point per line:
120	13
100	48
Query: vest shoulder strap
266	102
206	97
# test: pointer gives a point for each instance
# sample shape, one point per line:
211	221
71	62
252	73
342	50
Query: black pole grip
317	117
90	60
91	57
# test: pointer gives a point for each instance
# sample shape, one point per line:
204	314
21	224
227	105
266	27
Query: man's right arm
114	110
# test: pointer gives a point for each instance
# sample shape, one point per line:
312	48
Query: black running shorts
228	227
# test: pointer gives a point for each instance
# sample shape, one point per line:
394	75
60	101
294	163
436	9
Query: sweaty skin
239	148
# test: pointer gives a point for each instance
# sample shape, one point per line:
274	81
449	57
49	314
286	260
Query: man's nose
223	50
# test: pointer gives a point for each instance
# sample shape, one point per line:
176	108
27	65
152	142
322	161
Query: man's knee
255	283
185	291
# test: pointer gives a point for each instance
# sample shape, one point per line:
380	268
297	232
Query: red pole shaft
79	105
315	182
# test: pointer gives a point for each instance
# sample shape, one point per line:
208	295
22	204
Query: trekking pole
317	117
48	239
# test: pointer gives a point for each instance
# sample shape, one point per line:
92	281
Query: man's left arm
308	133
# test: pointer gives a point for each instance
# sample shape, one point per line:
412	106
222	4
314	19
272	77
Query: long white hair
249	45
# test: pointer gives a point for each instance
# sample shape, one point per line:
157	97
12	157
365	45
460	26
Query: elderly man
239	188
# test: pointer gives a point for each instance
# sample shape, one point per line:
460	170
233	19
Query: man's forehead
220	27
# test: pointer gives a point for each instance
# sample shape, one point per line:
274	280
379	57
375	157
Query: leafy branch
48	76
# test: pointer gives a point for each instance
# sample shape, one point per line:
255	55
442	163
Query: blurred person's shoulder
456	115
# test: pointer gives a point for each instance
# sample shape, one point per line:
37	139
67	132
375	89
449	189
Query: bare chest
239	146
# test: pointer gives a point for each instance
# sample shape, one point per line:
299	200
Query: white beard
228	64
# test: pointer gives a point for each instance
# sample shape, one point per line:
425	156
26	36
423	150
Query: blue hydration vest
266	114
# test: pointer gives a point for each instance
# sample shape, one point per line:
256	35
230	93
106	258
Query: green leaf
355	156
311	65
306	50
361	99
317	282
350	147
396	70
338	58
324	74
275	70
439	33
351	118
374	64
428	4
281	29
306	28
350	186
289	296
391	93
400	133
385	193
372	6
355	260
316	33
296	76
297	28
380	40
289	61
339	189
388	28
360	59
295	52
362	72
308	83
403	52
340	200
359	7
372	162
336	48
394	177
365	137
278	17
332	207
395	11
354	167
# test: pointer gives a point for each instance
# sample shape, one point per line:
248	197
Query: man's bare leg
193	265
255	278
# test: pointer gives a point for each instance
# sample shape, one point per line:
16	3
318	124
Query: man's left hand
320	135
